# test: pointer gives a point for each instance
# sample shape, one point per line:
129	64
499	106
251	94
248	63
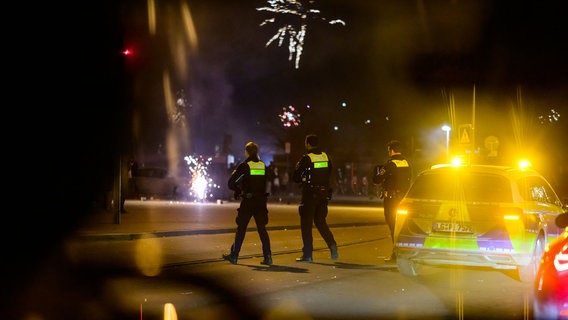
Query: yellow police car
476	215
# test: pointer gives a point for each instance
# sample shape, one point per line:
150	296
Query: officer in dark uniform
395	177
248	182
313	172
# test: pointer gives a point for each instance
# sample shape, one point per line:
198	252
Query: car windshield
457	185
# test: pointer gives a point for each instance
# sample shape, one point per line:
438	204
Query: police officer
395	177
248	182
313	172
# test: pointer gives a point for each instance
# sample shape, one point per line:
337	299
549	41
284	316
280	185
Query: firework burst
295	16
202	185
289	117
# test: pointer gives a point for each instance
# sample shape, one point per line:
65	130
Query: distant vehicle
476	215
155	183
550	299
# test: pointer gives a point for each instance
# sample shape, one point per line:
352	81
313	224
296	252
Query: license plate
453	227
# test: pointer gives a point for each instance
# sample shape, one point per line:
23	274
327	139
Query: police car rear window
476	187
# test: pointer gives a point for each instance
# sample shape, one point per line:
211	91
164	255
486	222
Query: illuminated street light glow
524	163
447	129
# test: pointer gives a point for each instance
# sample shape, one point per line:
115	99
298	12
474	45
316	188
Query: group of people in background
276	180
357	185
252	180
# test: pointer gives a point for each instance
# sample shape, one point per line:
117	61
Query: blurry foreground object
551	283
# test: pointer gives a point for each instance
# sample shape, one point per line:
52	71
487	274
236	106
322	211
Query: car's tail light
561	259
512	214
561	262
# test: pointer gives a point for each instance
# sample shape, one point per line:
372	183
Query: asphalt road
145	270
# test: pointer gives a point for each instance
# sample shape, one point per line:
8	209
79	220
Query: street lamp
447	129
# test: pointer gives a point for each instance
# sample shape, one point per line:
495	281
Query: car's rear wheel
407	267
527	273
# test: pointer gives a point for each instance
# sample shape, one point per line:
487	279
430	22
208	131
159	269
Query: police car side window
540	191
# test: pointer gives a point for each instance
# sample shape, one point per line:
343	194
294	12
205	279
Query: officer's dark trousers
313	210
252	208
390	204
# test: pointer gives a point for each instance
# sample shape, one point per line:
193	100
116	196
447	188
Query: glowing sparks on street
202	185
296	16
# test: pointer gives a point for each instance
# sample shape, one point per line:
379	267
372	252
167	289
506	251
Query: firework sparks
289	117
295	16
202	185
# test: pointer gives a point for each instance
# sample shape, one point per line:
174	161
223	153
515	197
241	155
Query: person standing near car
248	182
313	172
394	176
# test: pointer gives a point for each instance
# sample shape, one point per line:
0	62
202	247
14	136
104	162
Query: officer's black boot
267	260
231	257
334	254
304	259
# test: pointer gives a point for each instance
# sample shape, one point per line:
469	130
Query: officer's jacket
249	177
313	169
395	175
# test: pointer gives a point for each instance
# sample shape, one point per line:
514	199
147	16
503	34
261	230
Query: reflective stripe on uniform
318	165
319	160
400	163
256	168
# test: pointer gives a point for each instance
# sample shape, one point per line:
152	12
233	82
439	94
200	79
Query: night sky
394	63
399	64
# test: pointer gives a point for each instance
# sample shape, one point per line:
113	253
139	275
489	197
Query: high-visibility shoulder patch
400	163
